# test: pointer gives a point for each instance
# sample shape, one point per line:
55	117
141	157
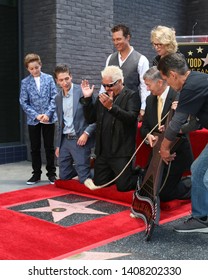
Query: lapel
168	102
41	83
154	106
33	86
76	97
59	105
120	96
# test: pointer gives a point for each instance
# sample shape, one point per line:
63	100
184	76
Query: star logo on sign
205	60
199	50
60	210
190	53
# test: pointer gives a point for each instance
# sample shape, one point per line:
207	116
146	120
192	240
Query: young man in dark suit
75	136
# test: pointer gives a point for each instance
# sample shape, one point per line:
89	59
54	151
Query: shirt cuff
85	100
86	132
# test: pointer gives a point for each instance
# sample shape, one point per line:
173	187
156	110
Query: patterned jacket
35	102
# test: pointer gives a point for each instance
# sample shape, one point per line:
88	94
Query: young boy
37	98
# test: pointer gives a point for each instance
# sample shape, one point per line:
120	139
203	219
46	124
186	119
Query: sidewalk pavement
13	176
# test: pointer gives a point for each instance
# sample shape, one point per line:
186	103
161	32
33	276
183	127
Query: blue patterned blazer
35	102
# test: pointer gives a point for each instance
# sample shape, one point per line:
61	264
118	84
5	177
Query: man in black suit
175	187
116	115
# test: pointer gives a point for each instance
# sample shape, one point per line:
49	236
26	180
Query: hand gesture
86	89
174	105
106	100
152	140
166	155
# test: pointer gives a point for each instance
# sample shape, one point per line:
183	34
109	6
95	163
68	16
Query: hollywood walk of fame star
60	210
205	60
97	256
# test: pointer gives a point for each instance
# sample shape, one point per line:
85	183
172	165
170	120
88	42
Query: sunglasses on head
110	85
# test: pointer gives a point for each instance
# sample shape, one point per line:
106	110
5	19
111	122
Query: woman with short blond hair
164	42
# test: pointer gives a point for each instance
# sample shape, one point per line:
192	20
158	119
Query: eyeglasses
110	85
157	45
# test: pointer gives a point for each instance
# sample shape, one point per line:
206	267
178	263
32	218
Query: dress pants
47	131
74	160
107	168
175	187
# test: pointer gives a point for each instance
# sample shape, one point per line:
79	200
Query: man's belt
70	137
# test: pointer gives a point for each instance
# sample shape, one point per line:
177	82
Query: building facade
76	32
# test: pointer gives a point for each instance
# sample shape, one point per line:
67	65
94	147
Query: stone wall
197	11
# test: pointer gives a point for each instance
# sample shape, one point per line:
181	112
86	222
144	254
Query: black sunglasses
110	85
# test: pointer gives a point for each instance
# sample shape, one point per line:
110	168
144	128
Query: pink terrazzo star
61	209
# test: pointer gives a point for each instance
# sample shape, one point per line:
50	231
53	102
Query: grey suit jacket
79	121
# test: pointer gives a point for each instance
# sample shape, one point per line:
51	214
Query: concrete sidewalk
13	176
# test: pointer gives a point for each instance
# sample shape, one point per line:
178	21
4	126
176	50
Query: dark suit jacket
122	122
150	117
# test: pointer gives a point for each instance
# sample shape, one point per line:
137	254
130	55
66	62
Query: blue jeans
199	178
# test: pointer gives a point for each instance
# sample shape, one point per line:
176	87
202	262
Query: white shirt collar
69	92
164	94
122	61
